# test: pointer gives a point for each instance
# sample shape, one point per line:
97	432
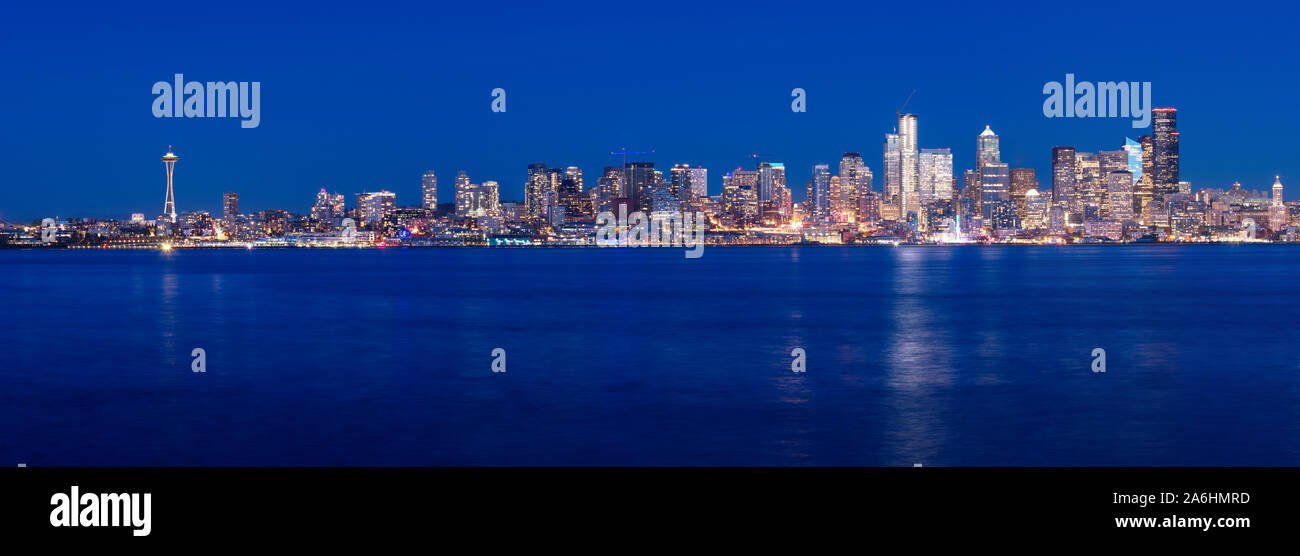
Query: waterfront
935	355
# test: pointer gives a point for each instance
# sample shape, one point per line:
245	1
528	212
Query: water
933	355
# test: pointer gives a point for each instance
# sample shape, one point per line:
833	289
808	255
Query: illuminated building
429	191
229	205
893	168
1023	180
1164	135
169	205
907	146
935	167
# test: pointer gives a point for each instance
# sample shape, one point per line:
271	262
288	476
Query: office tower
835	200
1002	212
1134	150
864	186
818	202
373	208
640	179
1119	188
850	184
229	205
1023	180
169	205
1063	173
771	175
986	148
1144	191
572	195
995	185
1036	209
869	208
1089	185
429	191
935	167
740	195
1109	162
1164	138
893	168
679	179
1277	192
907	146
970	189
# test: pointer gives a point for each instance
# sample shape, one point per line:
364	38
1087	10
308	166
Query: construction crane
623	151
909	99
623	185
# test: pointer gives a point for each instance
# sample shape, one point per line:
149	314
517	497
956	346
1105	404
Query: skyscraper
229	205
910	170
1062	175
429	191
640	179
850	184
818	201
935	167
771	176
1023	180
1119	188
464	194
995	186
893	168
169	205
1164	136
986	148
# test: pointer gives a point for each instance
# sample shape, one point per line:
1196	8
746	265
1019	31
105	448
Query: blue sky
370	99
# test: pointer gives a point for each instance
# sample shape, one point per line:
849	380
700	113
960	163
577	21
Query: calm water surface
934	355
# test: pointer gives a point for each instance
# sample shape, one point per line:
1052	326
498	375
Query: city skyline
362	110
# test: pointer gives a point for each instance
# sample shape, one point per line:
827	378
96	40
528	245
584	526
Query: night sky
369	100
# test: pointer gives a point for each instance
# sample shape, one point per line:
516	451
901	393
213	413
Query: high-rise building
229	205
986	148
935	167
1063	174
818	202
771	175
1134	150
1144	192
850	183
464	194
1109	162
577	206
909	156
1164	136
1119	186
429	191
995	185
893	162
1023	180
640	179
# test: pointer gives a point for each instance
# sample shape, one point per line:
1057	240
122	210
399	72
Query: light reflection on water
934	355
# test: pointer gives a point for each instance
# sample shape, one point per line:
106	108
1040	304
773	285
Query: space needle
169	206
